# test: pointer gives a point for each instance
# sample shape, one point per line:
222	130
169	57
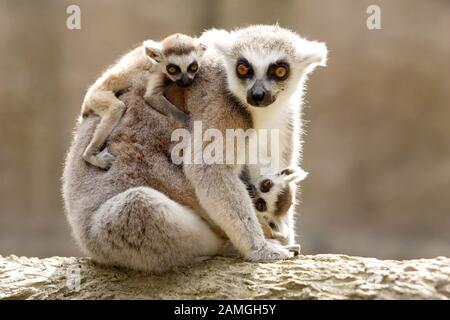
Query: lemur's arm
160	103
224	197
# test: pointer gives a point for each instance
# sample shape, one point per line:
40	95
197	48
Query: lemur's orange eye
242	69
280	72
172	70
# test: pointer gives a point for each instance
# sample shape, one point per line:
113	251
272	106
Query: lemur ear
312	53
224	47
202	48
152	49
220	39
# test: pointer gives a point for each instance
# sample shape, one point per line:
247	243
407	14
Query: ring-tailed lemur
176	58
142	213
266	69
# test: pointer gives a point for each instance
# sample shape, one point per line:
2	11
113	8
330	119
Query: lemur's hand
160	103
270	250
102	160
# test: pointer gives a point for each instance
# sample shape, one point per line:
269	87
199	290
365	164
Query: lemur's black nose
258	95
184	81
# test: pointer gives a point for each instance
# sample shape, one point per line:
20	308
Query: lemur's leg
224	197
141	228
160	103
110	109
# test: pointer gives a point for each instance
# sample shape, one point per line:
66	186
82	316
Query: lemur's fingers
293	174
271	250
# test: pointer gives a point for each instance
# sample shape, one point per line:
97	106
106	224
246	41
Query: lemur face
178	57
181	69
266	63
261	79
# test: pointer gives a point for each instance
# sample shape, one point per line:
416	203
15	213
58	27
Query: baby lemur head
178	57
265	63
272	197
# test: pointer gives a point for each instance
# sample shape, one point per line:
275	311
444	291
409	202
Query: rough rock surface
308	277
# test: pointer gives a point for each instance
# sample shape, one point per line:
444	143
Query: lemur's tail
142	228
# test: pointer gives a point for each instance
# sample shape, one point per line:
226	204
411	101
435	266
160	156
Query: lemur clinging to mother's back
176	58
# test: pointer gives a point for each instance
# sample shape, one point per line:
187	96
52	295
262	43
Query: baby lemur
176	58
272	198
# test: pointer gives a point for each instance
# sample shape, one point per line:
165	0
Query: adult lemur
144	212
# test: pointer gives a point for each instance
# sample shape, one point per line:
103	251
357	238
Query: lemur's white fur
263	45
147	63
286	108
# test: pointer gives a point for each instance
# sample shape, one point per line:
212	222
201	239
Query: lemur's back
142	144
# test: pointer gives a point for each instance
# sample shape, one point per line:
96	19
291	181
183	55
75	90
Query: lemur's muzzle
184	81
258	95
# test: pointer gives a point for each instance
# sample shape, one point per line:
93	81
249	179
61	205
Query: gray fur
144	212
121	217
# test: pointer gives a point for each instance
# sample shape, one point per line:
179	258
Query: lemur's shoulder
208	99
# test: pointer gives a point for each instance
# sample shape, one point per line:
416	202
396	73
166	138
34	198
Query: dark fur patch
284	202
261	205
287	171
266	185
177	44
178	50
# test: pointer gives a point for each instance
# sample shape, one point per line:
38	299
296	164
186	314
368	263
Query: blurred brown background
378	139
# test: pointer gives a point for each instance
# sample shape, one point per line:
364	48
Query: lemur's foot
102	160
271	250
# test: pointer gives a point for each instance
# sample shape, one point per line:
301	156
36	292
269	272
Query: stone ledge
308	277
